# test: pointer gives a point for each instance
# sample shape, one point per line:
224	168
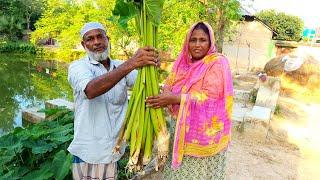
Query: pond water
26	81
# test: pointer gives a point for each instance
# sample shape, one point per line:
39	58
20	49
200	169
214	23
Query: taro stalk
143	125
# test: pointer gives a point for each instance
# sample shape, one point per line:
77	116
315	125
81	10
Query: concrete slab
239	111
268	93
241	95
31	115
54	103
259	113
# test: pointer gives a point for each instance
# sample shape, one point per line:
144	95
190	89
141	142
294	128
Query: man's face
95	41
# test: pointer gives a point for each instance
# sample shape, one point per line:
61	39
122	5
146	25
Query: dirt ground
292	148
289	150
252	155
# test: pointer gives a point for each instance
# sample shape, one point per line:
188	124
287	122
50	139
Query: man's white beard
98	56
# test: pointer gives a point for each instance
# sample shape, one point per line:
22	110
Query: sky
307	10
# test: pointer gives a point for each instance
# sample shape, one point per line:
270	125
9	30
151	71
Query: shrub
17	47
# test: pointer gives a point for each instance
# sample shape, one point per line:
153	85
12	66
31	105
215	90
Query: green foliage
122	163
253	95
11	27
177	17
223	16
38	151
154	10
62	21
288	27
277	110
61	164
125	11
16	16
17	47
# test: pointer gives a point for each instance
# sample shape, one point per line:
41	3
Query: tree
11	27
21	15
222	15
177	17
288	27
63	19
32	10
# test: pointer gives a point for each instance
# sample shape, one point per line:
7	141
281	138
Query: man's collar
112	65
92	61
96	62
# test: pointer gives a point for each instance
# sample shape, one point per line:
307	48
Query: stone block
239	111
32	115
241	95
54	103
268	93
259	113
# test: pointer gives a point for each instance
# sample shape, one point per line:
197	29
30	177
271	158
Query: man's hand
144	56
163	100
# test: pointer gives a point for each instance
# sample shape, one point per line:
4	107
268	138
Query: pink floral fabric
203	124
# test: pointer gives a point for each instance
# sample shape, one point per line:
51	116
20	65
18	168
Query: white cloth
97	121
292	63
90	26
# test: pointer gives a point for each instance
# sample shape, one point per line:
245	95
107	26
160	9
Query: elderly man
100	94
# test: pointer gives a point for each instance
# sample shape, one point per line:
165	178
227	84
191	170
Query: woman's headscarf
184	64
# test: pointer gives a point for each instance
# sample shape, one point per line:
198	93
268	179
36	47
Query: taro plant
143	125
38	151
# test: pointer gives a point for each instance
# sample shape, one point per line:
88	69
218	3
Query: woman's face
199	44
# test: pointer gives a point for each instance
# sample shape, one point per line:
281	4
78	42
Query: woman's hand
163	100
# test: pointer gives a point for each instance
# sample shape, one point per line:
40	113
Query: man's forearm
105	82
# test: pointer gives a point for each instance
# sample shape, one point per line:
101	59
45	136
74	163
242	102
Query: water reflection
27	82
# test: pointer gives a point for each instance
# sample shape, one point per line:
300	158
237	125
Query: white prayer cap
90	26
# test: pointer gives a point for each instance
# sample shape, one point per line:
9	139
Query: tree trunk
220	30
28	17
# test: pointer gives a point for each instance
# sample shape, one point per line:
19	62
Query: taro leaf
21	171
126	11
40	146
67	118
11	143
7	176
154	10
57	115
7	157
16	173
17	130
43	173
61	130
61	134
61	139
61	164
52	111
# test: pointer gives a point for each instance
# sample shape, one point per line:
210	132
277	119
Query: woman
198	93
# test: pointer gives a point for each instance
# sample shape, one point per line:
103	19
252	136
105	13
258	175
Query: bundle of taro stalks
144	127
